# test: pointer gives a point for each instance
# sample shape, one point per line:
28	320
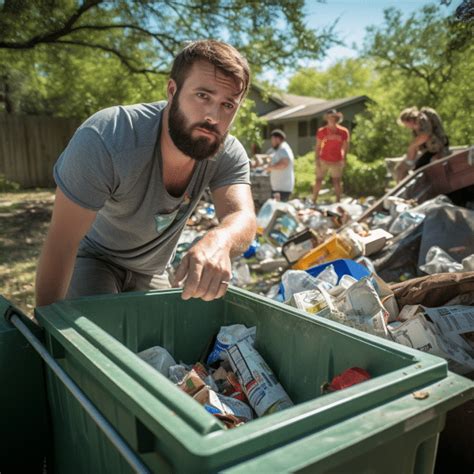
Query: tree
143	36
418	65
345	78
418	49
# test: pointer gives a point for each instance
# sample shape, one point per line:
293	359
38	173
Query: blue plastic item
342	266
250	252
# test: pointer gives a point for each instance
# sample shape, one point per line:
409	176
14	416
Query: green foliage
364	179
7	186
360	179
345	78
422	62
247	126
304	175
72	58
378	135
417	49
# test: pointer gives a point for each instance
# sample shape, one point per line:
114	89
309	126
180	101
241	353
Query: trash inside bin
95	339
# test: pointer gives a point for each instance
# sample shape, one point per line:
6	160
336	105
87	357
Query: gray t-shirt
113	165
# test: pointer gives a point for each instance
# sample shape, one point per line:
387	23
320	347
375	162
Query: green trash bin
94	340
24	432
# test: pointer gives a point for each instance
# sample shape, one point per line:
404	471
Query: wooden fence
30	145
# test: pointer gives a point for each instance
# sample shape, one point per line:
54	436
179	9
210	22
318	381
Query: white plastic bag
439	261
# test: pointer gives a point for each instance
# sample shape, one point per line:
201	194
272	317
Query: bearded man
131	176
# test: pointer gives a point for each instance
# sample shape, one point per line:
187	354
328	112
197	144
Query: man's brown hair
221	55
408	115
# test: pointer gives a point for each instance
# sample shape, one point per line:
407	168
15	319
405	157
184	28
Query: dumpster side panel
24	432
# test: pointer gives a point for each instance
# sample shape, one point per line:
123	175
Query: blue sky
354	16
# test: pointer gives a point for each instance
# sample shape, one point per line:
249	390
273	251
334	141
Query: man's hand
206	269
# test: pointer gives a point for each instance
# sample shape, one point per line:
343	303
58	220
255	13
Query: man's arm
207	264
69	224
279	165
345	147
414	146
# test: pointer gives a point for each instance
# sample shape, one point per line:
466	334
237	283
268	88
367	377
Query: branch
157	36
50	37
123	59
413	70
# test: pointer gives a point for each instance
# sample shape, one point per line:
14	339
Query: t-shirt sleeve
320	134
233	168
282	153
345	135
84	171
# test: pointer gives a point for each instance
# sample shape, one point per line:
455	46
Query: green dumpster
24	433
370	427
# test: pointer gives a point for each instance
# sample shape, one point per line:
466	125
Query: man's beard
180	131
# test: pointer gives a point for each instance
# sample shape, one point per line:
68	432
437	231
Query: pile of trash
233	382
321	260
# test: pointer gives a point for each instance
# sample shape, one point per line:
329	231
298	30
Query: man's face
202	111
332	120
275	140
411	124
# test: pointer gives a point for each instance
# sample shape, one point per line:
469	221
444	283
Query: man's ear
171	89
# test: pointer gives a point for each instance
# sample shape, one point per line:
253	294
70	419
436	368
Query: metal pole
120	444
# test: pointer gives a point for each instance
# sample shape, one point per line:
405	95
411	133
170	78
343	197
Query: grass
24	220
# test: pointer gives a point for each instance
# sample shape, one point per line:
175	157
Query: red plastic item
348	378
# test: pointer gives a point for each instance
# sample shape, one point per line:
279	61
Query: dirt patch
24	220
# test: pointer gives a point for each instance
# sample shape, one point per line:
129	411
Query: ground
24	219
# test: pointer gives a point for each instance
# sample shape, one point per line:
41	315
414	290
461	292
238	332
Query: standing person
281	169
429	138
332	144
131	176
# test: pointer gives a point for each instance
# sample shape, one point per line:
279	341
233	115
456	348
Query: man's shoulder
233	147
287	148
123	127
322	129
343	129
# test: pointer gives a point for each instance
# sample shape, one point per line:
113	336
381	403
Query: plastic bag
439	261
297	281
406	220
159	358
241	273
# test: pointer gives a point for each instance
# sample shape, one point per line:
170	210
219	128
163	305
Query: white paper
425	336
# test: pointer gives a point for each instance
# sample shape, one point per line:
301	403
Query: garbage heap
405	273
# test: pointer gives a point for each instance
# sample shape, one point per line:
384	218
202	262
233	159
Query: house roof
293	100
305	107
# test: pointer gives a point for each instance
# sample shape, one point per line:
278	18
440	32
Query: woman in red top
332	143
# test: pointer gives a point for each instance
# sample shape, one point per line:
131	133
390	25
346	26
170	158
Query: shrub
360	179
364	179
7	186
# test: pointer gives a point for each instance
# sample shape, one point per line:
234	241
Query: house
300	116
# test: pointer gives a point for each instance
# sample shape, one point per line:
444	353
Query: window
313	127
303	129
266	132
